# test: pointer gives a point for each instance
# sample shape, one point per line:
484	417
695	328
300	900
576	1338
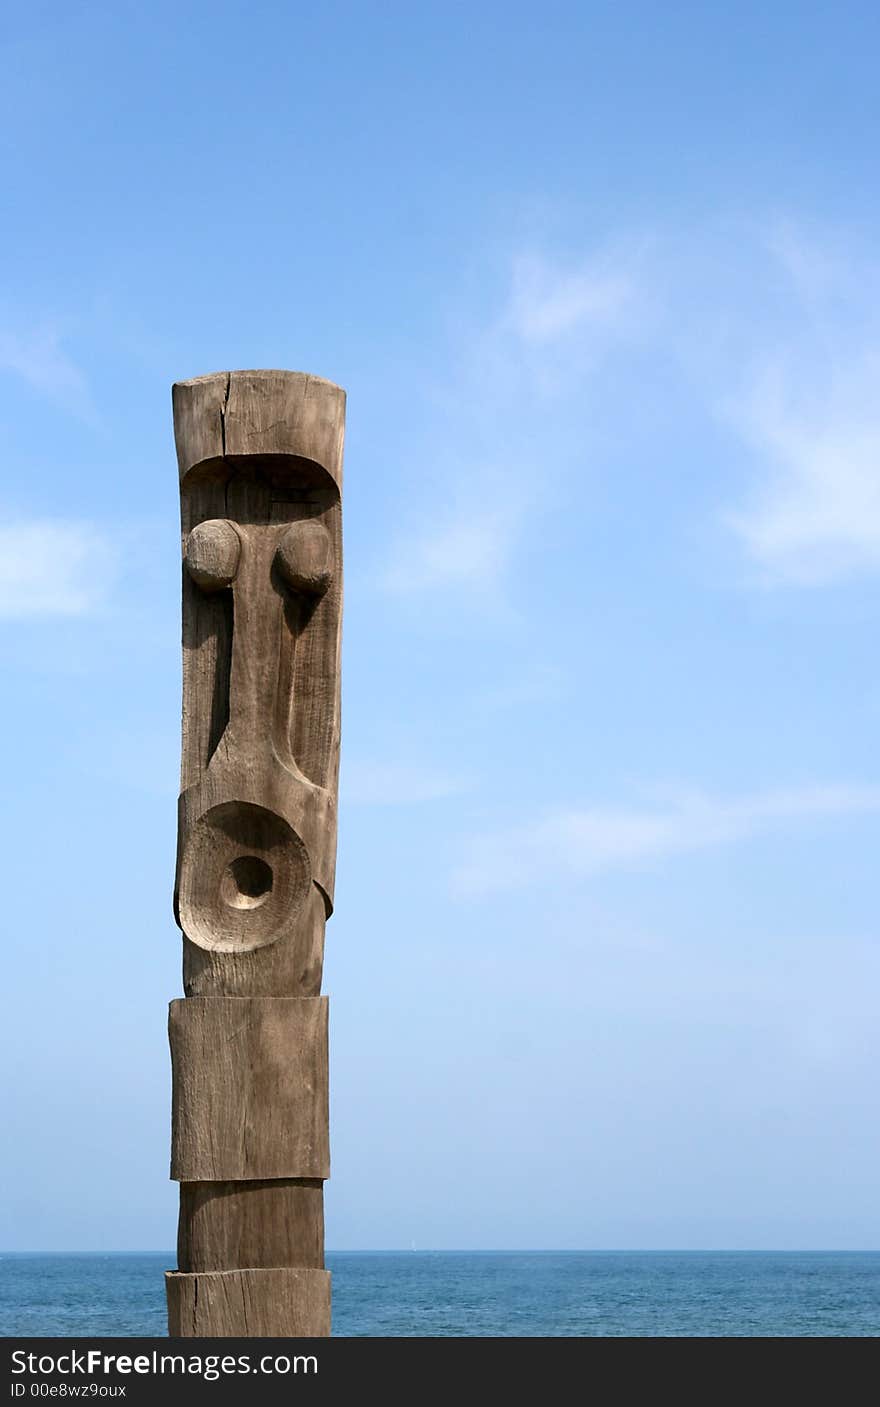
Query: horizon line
509	1251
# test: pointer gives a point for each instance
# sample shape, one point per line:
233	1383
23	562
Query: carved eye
212	553
305	557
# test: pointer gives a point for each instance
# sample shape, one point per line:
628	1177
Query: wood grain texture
260	467
232	1225
262	614
258	1304
246	414
291	967
249	1088
261	676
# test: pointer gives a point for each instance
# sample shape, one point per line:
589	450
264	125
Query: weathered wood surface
291	967
231	414
262	611
260	463
249	1081
259	1304
230	1225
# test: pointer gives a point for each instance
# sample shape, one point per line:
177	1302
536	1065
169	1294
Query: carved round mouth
244	876
246	882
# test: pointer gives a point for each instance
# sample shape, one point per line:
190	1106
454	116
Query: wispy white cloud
39	358
794	374
548	303
815	514
817	266
507	420
767	328
396	783
52	567
470	549
578	842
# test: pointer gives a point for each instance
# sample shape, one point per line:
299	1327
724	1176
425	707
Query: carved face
261	624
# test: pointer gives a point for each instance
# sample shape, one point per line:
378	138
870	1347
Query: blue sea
475	1294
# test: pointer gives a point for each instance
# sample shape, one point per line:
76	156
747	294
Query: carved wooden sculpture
260	456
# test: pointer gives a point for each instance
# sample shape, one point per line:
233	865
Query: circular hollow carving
246	882
244	876
305	557
212	552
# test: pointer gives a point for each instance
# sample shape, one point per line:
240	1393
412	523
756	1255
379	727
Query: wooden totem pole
260	456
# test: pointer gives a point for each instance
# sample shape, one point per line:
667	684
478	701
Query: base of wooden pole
249	1304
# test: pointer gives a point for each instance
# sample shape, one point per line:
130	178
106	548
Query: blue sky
603	285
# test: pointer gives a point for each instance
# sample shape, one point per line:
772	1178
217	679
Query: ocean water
476	1294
